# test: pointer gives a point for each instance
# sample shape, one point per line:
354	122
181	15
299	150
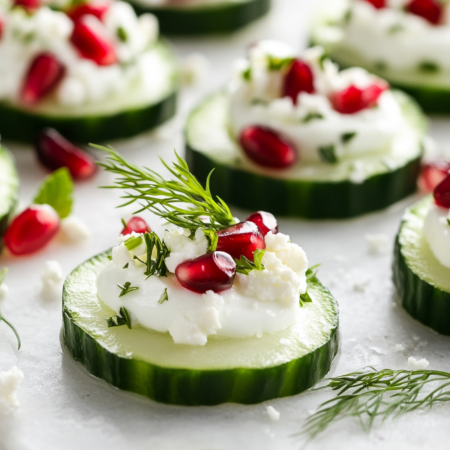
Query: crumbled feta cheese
418	364
3	290
376	242
71	92
75	229
182	247
399	347
195	68
273	414
9	383
52	278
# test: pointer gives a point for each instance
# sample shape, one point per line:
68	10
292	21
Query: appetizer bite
421	267
197	17
297	137
212	310
92	70
406	42
9	190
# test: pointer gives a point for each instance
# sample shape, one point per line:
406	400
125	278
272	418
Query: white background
62	407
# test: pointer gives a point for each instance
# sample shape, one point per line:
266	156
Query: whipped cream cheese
312	124
262	302
24	36
436	230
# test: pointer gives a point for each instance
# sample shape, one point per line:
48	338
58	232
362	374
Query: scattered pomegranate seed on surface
430	10
298	79
32	229
44	74
55	151
378	4
211	272
266	148
240	239
97	9
29	5
90	42
353	99
432	173
136	224
441	193
265	221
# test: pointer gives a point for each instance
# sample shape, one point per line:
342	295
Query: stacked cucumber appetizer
200	17
299	138
406	43
175	317
99	71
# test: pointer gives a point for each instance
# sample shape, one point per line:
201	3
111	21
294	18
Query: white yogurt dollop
261	302
437	233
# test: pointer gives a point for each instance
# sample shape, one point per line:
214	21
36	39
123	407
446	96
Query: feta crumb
3	291
376	242
399	347
9	383
195	68
52	278
273	414
75	229
417	363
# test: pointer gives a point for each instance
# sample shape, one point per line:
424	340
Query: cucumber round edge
421	298
304	198
190	387
9	181
206	19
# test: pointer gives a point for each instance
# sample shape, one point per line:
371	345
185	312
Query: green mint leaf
312	116
328	154
164	297
57	191
133	242
274	63
126	288
122	34
347	137
213	239
428	67
257	256
245	266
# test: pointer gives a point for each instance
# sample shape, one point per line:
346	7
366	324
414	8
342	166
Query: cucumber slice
9	190
114	118
421	281
224	370
213	18
315	191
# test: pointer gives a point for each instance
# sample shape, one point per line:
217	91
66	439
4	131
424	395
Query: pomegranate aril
441	193
211	272
91	42
42	77
55	151
32	229
136	224
29	5
430	10
432	174
266	148
2	24
240	239
298	79
378	4
353	99
265	221
96	9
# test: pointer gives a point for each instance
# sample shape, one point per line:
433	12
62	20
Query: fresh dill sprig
182	201
310	276
377	394
245	266
123	319
155	266
3	273
164	297
126	288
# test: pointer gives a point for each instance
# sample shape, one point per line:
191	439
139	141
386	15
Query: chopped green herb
245	266
310	275
126	288
347	16
328	154
3	273
155	266
428	67
347	137
123	223
274	63
133	242
247	74
122	34
396	28
125	266
110	257
164	297
380	66
213	239
323	57
448	221
123	319
312	116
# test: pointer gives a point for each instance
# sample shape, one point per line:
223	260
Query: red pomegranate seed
97	9
265	221
240	239
90	42
44	74
266	148
55	151
353	99
136	224
1	27
211	272
430	10
442	193
298	79
29	5
32	229
432	174
378	4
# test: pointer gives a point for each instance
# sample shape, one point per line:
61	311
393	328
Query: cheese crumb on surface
9	383
52	278
75	229
419	364
376	243
273	414
399	347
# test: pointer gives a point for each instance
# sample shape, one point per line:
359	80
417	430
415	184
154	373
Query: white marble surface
62	407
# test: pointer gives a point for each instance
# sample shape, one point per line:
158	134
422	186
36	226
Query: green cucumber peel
57	191
3	273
